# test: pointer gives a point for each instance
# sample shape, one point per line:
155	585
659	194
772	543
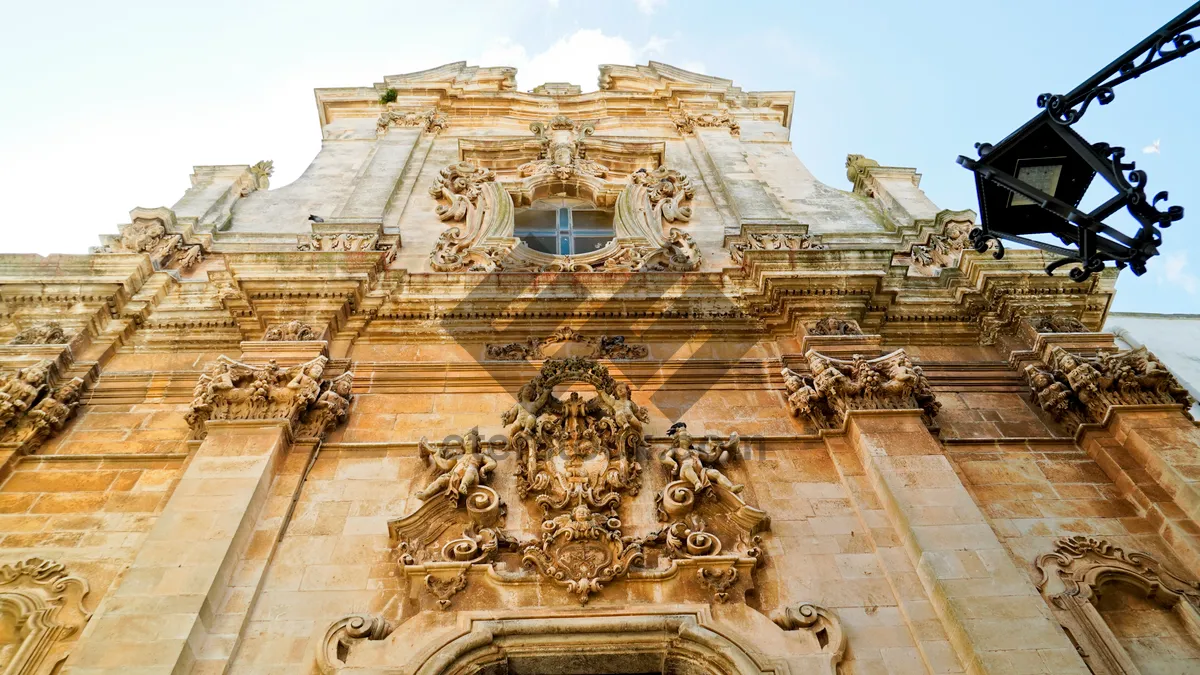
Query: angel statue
460	473
693	465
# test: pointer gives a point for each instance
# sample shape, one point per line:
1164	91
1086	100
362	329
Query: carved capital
833	326
1076	389
837	386
232	390
32	407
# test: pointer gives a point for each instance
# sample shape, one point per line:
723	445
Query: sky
107	106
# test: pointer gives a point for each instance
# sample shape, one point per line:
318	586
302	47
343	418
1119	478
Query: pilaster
162	614
993	615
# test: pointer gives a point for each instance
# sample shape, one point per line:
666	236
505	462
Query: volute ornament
667	190
836	387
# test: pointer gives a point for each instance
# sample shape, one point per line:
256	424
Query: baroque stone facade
554	382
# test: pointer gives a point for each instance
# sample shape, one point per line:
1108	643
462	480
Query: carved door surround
481	192
668	639
1075	572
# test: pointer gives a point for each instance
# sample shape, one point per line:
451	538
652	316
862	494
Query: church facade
555	382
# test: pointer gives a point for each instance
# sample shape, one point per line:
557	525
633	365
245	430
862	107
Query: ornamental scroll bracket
646	214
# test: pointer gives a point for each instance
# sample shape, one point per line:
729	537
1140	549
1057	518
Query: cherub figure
460	474
1052	395
523	415
625	412
690	464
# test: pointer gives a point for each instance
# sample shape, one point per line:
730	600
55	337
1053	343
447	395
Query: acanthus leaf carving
687	121
772	241
836	387
261	173
43	333
339	241
233	390
30	409
667	190
1075	389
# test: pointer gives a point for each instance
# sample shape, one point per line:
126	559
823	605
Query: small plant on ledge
388	96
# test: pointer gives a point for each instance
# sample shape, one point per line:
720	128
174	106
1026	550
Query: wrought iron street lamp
1033	181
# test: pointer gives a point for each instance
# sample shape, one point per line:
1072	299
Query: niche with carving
1126	612
40	607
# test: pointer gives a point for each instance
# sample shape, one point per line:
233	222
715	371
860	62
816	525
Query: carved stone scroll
1076	389
1075	573
644	211
460	517
31	407
344	634
44	333
603	347
817	621
233	390
42	605
836	387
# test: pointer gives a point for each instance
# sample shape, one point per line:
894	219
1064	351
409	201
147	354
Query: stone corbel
334	648
837	386
943	248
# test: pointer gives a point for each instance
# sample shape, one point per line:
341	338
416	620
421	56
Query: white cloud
1154	148
649	6
574	58
1175	273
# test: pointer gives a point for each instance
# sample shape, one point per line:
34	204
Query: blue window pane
564	245
564	219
